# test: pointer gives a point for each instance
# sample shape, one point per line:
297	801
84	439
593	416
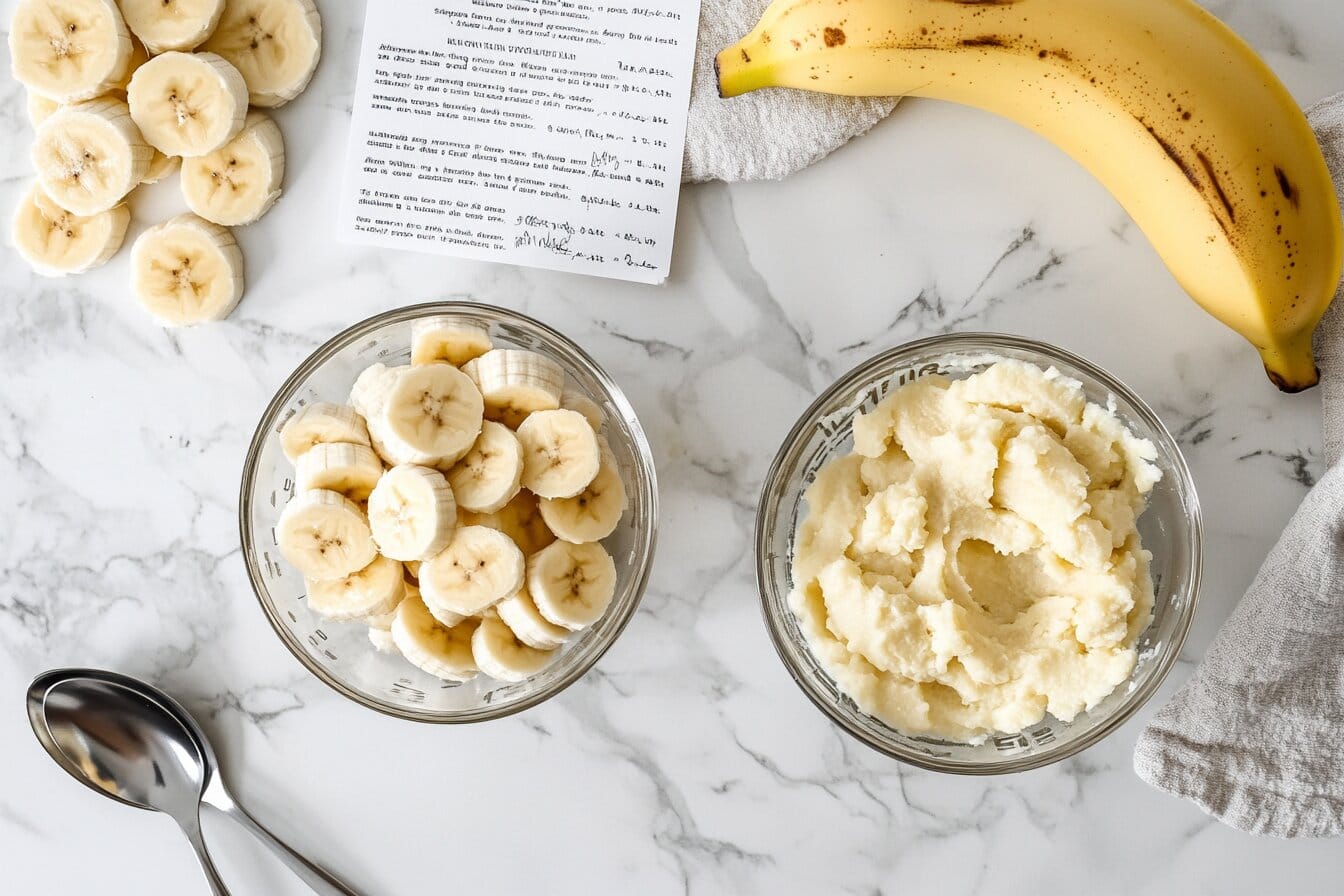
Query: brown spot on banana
1173	155
1285	185
987	40
1217	185
833	37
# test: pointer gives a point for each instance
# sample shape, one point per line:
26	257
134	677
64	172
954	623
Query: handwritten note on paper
546	133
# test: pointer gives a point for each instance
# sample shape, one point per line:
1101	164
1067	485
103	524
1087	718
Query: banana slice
90	155
450	339
321	423
413	571
56	242
239	183
164	25
491	473
383	621
69	50
188	104
479	567
371	388
276	44
520	519
433	410
40	108
187	271
351	470
572	584
503	656
444	652
515	382
593	513
160	166
561	456
382	640
324	535
139	56
369	396
375	589
574	400
521	615
412	513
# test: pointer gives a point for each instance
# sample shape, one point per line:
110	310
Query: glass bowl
1170	529
340	654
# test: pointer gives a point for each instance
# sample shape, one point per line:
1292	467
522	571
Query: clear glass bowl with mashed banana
978	553
363	655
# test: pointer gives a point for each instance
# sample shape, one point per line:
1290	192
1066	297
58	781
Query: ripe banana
502	655
479	568
372	591
40	108
491	473
187	271
442	651
69	50
56	242
319	423
276	44
573	400
571	584
450	339
341	467
164	25
239	182
561	456
520	519
89	155
516	382
520	614
160	166
1167	107
434	410
324	535
593	513
188	104
413	513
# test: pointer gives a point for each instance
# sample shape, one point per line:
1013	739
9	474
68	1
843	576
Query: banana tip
1292	386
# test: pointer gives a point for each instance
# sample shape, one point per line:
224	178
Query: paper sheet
546	133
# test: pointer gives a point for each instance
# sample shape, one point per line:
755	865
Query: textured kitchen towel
767	134
1256	737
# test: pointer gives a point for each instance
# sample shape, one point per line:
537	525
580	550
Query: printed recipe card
546	133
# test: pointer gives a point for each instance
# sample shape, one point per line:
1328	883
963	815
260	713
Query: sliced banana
383	621
521	615
187	271
412	512
188	104
349	469
491	473
501	655
444	652
56	242
164	25
593	513
324	535
139	56
449	339
574	400
515	382
160	166
520	519
373	590
369	396
40	108
238	183
69	50
478	568
320	423
382	640
90	155
561	456
572	584
434	410
370	389
413	571
276	44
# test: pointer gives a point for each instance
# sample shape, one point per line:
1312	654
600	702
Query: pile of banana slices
456	506
124	94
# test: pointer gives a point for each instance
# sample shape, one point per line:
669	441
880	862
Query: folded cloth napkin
1256	737
767	134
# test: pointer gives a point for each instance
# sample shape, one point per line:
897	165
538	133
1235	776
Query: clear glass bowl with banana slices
817	659
448	512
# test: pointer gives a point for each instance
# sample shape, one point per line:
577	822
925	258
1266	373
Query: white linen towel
1256	737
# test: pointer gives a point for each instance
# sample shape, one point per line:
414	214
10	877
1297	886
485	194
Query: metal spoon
128	740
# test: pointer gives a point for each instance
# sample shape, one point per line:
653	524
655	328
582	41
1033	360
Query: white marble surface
687	762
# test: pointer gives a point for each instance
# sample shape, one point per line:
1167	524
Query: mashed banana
975	563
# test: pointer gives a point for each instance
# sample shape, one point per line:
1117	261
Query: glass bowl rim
848	383
645	544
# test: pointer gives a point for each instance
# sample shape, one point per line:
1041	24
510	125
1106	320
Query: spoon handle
193	833
321	882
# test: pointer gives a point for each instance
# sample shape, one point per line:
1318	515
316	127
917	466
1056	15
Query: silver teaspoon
128	740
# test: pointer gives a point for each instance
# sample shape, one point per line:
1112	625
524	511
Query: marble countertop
687	761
